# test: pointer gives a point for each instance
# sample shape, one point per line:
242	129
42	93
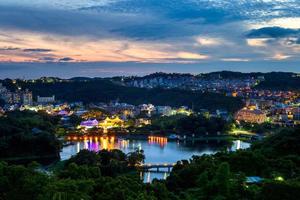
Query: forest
28	135
196	124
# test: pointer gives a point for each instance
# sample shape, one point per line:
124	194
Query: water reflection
148	177
156	149
161	141
109	143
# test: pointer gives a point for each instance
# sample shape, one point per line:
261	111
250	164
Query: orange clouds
194	56
280	56
83	49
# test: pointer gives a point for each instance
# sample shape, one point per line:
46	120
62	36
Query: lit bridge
157	166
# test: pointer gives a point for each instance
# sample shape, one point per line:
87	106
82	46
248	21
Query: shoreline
145	136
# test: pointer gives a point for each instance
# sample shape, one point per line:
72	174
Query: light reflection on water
156	149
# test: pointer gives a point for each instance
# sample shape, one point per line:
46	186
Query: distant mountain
80	79
271	80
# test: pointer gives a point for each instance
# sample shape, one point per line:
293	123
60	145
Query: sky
101	38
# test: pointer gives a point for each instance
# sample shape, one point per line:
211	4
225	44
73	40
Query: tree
221	179
84	157
135	158
68	189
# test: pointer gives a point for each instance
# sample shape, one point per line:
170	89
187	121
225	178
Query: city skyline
127	37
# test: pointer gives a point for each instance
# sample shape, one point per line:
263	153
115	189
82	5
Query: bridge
157	166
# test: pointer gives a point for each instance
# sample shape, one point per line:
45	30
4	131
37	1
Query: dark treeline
27	135
280	81
198	125
100	90
109	175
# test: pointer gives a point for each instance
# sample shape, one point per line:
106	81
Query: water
156	149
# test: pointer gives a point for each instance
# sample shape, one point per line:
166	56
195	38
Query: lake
156	149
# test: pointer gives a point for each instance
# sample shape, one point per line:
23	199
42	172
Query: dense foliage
198	125
280	81
100	90
222	176
108	175
28	135
264	128
110	163
104	175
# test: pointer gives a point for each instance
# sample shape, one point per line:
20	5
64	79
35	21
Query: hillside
100	90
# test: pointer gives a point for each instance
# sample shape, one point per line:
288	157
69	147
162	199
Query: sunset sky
68	38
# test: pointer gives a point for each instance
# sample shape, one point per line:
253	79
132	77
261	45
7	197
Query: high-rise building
2	89
27	97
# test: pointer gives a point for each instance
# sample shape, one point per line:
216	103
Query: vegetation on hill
28	135
222	176
280	81
193	124
100	90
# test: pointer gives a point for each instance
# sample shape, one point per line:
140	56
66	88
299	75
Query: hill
102	90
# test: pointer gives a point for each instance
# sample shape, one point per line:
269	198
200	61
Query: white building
164	110
45	99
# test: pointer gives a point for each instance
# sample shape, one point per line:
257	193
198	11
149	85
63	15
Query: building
89	124
46	99
27	98
148	108
251	116
2	89
183	110
7	97
234	94
264	104
63	113
16	97
164	110
142	122
111	123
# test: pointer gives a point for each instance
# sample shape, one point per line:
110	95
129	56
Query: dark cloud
38	50
156	31
204	11
142	19
273	32
66	59
292	41
60	22
95	25
9	49
47	59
